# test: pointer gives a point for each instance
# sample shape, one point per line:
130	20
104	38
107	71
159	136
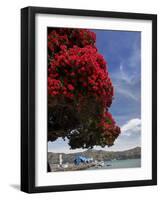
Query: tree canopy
80	91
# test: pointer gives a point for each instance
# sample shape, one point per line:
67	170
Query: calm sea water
114	164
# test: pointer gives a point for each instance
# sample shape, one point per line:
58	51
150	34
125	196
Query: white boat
65	165
101	164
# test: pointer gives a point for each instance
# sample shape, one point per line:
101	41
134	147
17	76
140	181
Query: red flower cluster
77	71
82	72
69	37
108	125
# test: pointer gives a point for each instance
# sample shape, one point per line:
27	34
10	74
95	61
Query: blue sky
122	52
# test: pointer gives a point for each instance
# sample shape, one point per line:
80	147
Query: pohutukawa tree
80	91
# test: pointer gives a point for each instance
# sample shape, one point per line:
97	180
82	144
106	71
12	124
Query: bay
116	164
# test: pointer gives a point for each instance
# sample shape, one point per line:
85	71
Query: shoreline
94	166
71	167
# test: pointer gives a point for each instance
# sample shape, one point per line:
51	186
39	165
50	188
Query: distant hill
53	158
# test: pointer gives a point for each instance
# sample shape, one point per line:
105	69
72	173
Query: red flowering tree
80	90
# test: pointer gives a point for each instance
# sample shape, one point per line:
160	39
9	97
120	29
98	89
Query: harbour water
116	164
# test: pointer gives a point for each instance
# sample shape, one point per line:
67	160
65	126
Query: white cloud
124	76
131	128
126	84
126	79
127	93
130	136
134	59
